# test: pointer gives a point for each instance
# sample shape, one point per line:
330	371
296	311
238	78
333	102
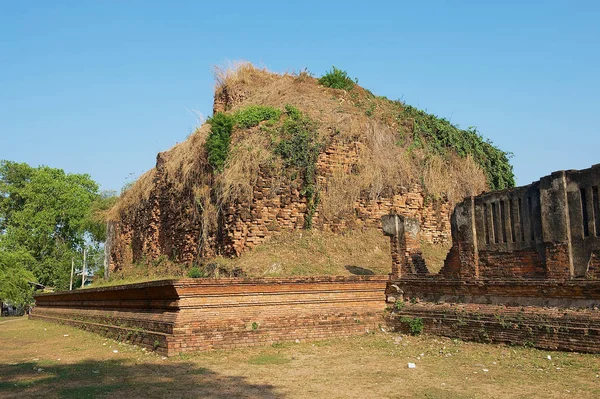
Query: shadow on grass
123	379
359	271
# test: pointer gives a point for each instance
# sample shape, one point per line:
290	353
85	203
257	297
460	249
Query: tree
15	278
48	215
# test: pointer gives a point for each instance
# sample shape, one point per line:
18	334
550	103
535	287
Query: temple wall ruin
548	229
169	222
522	268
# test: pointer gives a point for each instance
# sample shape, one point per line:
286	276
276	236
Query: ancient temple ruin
522	267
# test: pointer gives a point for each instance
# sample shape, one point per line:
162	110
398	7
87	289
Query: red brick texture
546	328
176	316
168	223
558	315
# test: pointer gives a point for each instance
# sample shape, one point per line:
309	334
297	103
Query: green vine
299	148
440	137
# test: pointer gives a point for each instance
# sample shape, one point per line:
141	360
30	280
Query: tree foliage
47	217
15	278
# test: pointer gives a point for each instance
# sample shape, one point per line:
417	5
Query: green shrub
415	324
299	148
195	272
254	114
254	326
399	305
337	79
219	138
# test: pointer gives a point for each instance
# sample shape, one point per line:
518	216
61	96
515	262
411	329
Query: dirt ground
49	360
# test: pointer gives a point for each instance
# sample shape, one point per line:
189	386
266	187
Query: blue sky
101	87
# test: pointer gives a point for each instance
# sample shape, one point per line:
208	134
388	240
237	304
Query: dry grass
42	361
455	178
434	255
342	119
338	194
308	253
138	193
185	164
383	164
297	253
248	154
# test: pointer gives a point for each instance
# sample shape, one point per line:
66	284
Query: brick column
407	259
556	226
463	259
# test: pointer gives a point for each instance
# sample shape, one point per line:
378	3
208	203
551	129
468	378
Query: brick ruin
522	268
169	223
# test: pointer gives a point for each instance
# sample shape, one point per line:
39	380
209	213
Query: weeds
415	324
217	143
399	305
195	272
219	138
254	114
337	79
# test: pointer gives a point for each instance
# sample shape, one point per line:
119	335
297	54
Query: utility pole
72	270
83	272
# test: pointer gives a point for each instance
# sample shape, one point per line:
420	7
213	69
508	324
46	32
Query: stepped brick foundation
177	316
523	270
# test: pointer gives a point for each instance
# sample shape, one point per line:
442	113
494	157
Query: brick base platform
176	316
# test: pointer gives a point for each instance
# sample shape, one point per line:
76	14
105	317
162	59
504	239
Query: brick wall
546	314
548	229
168	223
543	328
176	316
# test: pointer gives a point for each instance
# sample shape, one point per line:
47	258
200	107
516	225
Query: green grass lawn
43	359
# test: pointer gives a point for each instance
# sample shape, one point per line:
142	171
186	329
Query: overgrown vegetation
222	125
399	305
297	253
299	147
252	115
219	139
434	134
438	136
195	272
387	147
337	79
